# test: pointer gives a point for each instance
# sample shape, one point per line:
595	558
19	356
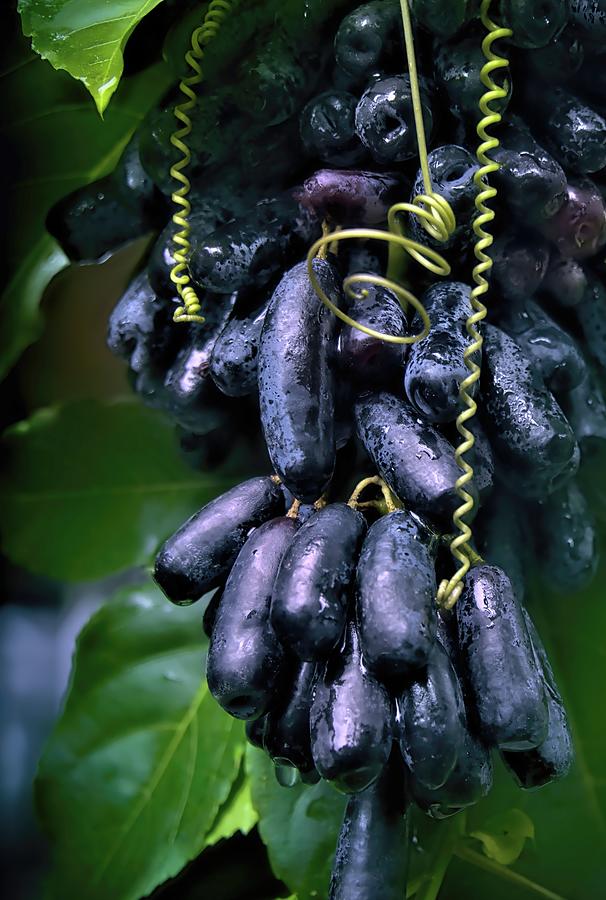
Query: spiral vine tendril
215	15
450	590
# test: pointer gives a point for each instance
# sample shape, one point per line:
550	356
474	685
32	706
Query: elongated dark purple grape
552	350
591	314
254	248
287	736
440	18
296	384
366	37
385	119
188	388
234	360
280	77
532	27
436	365
481	458
349	196
573	131
565	282
452	171
245	657
469	781
432	727
520	260
141	330
530	432
350	720
585	409
457	68
371	858
207	215
395	595
529	179
565	539
328	128
499	665
310	596
415	460
366	361
578	228
553	758
200	554
100	217
499	530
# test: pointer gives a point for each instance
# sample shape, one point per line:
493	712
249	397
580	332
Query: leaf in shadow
503	836
53	142
141	759
299	826
93	487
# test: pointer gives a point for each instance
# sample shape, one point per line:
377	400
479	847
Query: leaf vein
180	810
101	24
147	793
118	673
107	739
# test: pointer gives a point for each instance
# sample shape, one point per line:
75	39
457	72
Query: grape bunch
325	635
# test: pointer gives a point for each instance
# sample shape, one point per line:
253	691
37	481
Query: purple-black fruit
413	457
395	595
312	589
432	726
245	658
296	382
350	720
200	554
498	662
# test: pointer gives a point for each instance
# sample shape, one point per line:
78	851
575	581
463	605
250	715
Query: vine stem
449	838
388	504
495	868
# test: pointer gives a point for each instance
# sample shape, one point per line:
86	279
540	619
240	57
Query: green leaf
503	836
141	758
299	826
92	488
20	320
85	39
56	143
236	814
437	841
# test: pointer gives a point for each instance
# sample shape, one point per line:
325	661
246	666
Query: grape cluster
324	631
